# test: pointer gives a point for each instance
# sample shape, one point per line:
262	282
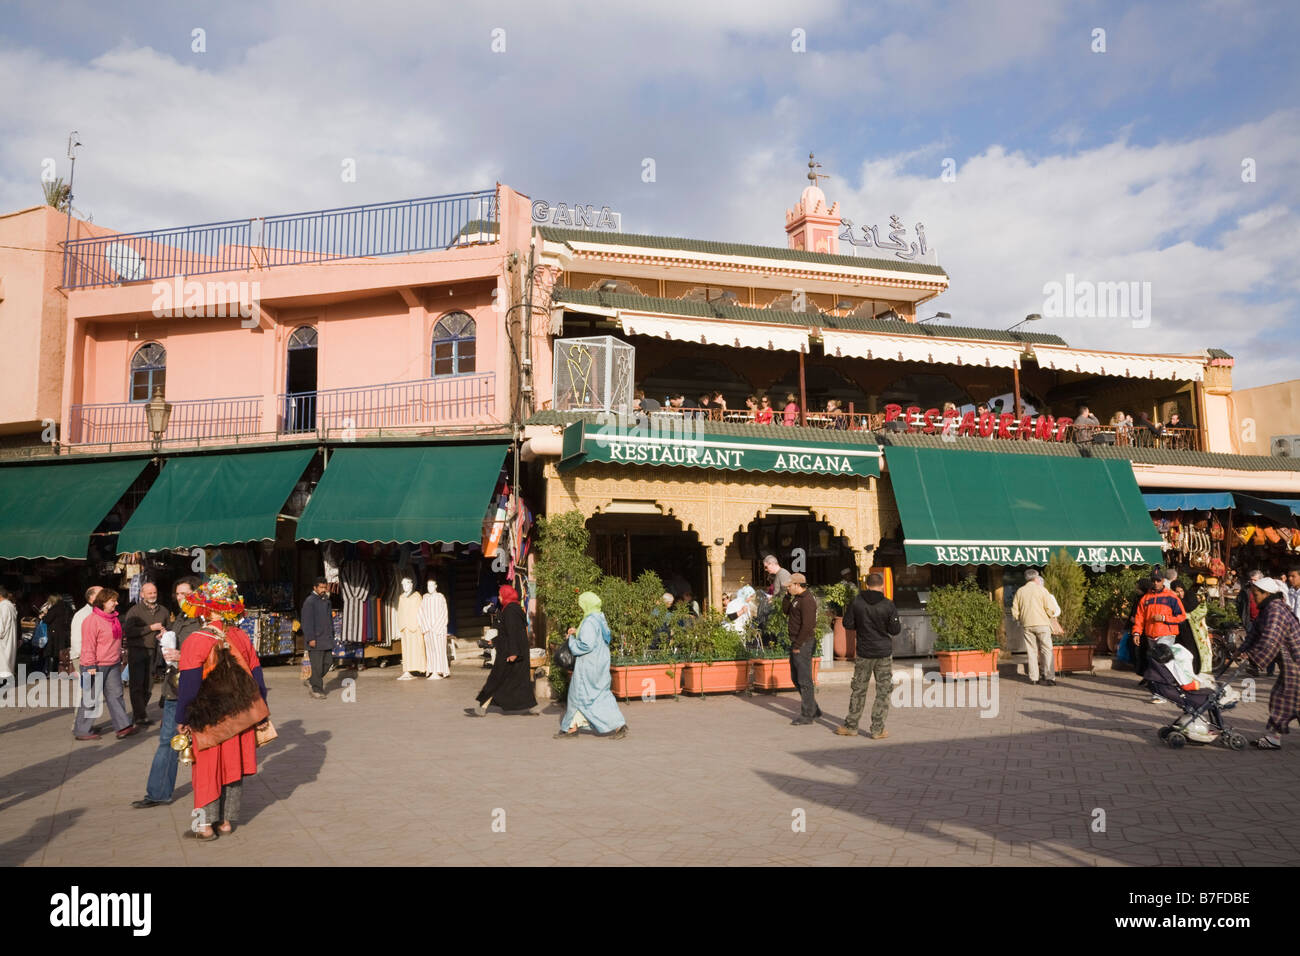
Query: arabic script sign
895	241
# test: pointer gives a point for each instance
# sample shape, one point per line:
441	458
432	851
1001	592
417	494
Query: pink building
389	318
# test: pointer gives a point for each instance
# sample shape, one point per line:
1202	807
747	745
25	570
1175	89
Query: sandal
1265	744
225	827
198	835
566	735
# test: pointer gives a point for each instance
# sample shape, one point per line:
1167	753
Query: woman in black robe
1185	637
510	684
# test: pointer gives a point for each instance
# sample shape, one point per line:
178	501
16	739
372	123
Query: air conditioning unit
1284	446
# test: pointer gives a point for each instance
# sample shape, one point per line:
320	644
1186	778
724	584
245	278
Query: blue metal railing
429	401
125	422
378	229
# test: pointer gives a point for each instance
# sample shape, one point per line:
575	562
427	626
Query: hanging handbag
229	701
265	733
1216	529
1055	625
563	657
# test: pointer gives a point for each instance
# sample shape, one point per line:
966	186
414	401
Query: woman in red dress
218	771
764	414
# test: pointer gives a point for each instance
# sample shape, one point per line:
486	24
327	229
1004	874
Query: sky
1083	143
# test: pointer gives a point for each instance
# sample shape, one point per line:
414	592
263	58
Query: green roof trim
1196	459
709	247
848	323
1218	354
796	433
479	225
1058	449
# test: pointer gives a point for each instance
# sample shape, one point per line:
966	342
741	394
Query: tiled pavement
401	776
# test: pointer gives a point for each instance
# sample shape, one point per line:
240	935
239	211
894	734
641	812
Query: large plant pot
628	680
970	663
774	673
715	677
1072	657
845	650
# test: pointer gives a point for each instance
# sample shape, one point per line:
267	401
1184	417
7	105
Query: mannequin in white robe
433	623
414	659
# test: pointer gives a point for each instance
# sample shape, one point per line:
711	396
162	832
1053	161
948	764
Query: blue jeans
162	775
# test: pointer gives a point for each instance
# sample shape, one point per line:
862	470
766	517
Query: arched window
453	345
303	337
148	371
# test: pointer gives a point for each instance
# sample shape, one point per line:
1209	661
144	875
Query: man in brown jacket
801	622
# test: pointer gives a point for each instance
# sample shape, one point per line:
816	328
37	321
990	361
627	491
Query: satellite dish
125	262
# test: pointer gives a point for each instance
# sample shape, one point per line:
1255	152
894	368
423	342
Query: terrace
264	242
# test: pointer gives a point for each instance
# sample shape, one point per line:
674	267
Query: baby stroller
1201	720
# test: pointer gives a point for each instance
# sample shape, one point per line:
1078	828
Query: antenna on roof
813	175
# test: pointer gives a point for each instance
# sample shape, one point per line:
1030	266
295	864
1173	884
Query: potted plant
1072	653
644	657
966	621
1108	604
837	597
714	655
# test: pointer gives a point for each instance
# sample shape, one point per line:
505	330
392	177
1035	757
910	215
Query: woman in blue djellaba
591	702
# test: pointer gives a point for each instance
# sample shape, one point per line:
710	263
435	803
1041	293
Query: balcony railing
378	229
125	422
432	401
1187	439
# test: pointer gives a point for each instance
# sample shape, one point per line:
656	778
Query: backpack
229	701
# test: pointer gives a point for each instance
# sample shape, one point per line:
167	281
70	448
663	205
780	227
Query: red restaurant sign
987	425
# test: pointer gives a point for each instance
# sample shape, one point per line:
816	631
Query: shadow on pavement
294	758
42	832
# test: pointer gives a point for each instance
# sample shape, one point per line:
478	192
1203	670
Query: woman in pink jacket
101	669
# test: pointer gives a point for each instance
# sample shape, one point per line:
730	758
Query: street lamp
937	315
1033	317
157	411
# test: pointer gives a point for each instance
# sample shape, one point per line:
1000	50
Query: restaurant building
904	472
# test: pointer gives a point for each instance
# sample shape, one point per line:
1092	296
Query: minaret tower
810	224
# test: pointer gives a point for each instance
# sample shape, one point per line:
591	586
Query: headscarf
589	601
508	595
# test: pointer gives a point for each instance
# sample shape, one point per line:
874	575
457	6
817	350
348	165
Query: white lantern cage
594	373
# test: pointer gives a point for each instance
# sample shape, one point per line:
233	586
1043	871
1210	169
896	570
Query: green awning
50	510
404	495
960	507
208	500
687	444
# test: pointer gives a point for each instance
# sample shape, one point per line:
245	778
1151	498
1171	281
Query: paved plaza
402	776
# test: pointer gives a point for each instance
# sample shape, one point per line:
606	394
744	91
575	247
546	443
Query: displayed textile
356	585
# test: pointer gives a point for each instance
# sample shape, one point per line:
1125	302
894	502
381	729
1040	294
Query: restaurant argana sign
924	553
684	443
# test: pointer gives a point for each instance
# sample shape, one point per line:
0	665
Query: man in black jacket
318	631
875	619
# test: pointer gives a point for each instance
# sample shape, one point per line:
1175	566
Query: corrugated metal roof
848	323
709	247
